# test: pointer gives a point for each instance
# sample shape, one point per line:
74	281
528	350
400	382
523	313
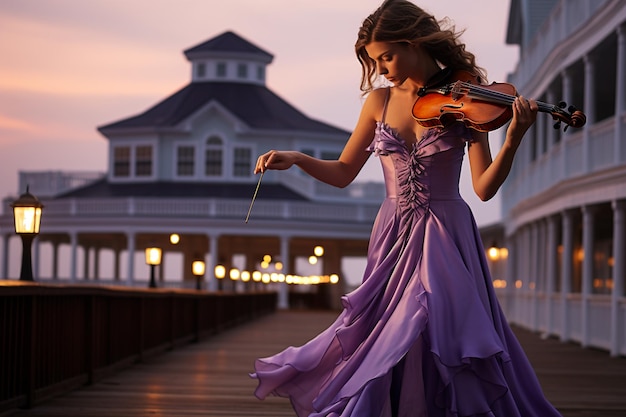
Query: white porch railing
357	212
562	317
566	160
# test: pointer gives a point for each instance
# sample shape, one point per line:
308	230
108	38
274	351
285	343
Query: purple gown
423	335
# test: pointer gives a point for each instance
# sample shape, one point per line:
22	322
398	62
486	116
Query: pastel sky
69	66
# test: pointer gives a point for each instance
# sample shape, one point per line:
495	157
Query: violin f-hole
446	107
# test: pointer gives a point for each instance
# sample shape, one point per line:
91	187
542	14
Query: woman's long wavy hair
401	21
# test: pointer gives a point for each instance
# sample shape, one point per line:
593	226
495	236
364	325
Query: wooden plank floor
210	378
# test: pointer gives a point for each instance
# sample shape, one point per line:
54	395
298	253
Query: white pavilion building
185	167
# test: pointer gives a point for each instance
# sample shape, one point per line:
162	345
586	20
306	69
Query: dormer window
213	157
242	71
143	161
220	69
121	161
201	70
229	58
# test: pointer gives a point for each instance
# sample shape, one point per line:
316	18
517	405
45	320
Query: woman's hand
524	115
276	160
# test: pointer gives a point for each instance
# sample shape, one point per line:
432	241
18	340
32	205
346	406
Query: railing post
141	327
30	325
90	332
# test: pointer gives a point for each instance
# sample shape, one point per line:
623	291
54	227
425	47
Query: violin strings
503	97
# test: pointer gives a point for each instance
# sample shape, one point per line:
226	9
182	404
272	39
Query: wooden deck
210	378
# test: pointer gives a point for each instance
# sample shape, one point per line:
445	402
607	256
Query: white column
542	136
55	260
619	273
590	67
510	274
160	270
130	247
73	255
210	270
551	271
587	272
36	257
567	97
566	271
5	256
96	263
116	263
522	264
283	288
87	262
519	273
534	261
620	97
550	130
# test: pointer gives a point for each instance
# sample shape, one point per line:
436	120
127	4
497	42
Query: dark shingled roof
104	189
255	105
228	42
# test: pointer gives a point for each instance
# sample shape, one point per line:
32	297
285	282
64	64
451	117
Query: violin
481	107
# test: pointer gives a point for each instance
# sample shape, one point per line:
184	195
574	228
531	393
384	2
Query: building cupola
228	58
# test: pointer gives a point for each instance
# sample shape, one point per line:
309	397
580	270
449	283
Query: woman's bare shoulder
375	101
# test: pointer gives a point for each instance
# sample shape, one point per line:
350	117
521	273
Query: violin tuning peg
571	109
557	125
562	104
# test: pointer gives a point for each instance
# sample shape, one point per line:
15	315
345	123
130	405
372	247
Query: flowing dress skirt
423	335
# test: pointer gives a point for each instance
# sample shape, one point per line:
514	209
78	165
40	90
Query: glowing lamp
153	258
27	216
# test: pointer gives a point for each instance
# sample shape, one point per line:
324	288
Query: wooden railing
54	339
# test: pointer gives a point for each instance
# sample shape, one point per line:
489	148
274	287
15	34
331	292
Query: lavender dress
423	335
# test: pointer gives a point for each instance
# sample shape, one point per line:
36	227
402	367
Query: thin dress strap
382	120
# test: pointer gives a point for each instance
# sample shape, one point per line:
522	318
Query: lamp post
27	215
197	267
153	258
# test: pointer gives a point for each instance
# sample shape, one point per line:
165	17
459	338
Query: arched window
214	157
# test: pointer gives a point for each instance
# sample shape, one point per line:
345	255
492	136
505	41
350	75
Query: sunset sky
69	66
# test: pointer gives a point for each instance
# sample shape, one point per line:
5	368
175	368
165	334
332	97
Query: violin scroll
572	117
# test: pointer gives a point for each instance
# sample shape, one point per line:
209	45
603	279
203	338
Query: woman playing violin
423	335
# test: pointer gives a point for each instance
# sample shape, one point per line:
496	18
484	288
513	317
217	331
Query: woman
423	335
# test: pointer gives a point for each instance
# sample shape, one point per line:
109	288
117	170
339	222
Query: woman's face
398	62
395	61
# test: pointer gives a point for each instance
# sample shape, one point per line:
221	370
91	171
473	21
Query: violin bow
256	190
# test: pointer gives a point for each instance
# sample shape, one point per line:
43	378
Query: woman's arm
487	174
342	171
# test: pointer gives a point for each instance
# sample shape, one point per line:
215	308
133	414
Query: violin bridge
457	91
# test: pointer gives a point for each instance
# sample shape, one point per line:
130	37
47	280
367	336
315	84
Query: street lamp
27	215
153	258
197	267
